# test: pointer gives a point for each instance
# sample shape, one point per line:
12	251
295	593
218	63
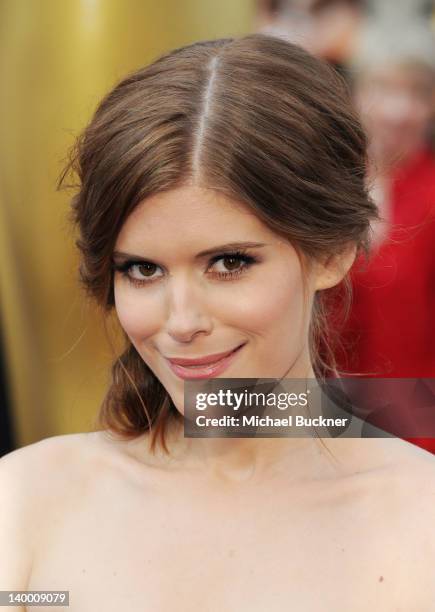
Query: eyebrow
223	248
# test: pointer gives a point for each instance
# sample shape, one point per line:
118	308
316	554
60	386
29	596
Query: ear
330	270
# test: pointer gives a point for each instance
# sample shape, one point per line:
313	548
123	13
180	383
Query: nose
187	311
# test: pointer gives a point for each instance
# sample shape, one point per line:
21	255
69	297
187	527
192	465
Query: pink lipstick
203	367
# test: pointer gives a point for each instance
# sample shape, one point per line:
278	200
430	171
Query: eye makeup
146	269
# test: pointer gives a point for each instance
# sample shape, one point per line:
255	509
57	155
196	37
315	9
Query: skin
220	524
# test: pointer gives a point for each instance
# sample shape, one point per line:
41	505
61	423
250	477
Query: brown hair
257	118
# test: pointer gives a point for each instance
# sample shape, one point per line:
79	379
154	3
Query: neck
238	460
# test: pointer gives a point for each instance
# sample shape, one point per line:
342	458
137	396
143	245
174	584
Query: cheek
136	313
273	302
285	305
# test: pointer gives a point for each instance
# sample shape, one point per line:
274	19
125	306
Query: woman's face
396	104
188	285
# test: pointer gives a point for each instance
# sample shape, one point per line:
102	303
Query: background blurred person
390	331
326	28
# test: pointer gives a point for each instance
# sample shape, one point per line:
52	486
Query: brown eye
139	272
146	269
231	263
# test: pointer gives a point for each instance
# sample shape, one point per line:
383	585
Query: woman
221	195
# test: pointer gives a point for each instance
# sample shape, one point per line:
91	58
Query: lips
203	367
208	359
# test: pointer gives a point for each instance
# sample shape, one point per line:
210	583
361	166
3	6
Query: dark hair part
257	118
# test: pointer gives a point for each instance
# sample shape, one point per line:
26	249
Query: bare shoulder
391	483
418	487
410	507
33	474
31	479
399	478
43	476
410	470
415	467
45	459
38	472
44	483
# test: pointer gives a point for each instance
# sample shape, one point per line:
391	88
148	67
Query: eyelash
247	260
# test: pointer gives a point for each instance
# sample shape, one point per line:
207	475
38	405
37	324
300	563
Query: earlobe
333	268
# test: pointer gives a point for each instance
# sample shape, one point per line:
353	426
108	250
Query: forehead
190	216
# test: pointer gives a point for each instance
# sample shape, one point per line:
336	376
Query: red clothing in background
391	331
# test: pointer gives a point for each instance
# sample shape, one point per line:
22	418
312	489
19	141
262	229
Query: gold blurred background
57	59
